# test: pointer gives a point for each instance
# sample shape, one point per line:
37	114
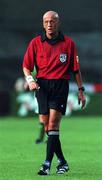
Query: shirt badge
63	57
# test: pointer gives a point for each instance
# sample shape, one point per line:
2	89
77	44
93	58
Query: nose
49	23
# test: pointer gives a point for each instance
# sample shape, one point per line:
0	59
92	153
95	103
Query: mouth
49	29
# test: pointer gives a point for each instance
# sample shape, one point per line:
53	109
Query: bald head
52	14
51	24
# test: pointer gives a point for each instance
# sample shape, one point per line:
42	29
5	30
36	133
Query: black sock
54	146
58	150
50	146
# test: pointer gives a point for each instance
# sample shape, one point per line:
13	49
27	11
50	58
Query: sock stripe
53	133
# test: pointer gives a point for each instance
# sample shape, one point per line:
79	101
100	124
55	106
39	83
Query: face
50	24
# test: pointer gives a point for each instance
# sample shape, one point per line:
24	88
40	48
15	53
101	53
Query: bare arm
31	82
26	72
81	97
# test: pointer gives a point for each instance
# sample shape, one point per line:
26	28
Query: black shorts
52	95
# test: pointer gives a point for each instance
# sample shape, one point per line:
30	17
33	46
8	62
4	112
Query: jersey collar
52	41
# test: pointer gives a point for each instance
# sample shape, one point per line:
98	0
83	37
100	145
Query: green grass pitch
20	157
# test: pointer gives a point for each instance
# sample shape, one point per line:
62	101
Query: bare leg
43	127
45	120
54	120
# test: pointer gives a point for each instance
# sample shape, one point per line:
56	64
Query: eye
50	21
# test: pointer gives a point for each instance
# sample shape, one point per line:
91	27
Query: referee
54	57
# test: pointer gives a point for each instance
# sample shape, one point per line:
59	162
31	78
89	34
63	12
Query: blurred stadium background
20	21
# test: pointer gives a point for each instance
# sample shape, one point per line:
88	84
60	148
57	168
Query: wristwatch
81	88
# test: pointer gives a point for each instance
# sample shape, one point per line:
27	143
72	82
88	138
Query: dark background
20	21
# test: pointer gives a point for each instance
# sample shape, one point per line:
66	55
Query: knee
53	126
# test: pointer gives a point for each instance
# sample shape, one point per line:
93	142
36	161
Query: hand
33	86
81	99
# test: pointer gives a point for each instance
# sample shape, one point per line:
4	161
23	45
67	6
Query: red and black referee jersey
53	58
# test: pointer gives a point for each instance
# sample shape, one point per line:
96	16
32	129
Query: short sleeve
74	60
29	57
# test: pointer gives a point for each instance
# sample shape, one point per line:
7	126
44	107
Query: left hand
81	99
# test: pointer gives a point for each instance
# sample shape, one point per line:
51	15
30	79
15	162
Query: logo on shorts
63	57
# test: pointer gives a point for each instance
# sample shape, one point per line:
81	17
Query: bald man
54	56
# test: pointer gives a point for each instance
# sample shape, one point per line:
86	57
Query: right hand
81	99
33	86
